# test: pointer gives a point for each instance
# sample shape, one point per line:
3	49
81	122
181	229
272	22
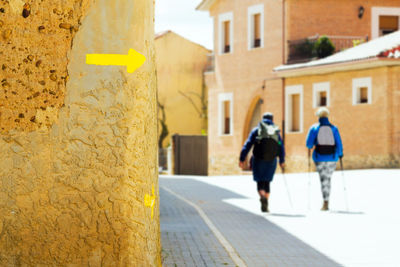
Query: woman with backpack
268	145
325	137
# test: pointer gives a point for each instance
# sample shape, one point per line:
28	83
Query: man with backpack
268	146
326	139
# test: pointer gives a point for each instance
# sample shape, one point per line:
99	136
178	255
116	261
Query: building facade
361	88
182	94
251	38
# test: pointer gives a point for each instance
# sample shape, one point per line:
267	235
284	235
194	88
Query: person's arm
247	146
310	141
282	152
338	142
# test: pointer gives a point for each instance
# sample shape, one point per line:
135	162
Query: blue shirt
252	139
312	141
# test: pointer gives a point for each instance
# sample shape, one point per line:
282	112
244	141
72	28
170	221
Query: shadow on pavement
286	215
258	241
348	212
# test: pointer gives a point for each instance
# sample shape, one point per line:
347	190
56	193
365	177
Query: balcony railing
302	50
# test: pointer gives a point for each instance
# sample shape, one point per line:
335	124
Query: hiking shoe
264	204
325	207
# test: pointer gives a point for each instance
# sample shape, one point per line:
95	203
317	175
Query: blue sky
182	17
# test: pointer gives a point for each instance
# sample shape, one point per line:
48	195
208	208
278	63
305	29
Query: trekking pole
287	188
344	186
309	180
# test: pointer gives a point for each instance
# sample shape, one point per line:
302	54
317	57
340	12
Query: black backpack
325	141
267	145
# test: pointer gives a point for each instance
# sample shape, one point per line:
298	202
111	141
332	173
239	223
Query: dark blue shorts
263	171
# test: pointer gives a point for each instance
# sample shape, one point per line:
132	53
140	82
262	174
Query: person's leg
260	189
267	193
330	168
263	191
323	171
267	189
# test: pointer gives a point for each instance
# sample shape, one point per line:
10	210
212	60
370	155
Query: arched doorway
253	117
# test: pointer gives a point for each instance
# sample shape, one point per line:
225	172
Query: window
321	92
256	26
385	20
226	33
225	109
363	95
362	91
388	24
227	117
257	31
294	101
294	109
322	99
227	39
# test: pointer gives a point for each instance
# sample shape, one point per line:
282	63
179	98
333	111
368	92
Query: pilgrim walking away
325	138
268	146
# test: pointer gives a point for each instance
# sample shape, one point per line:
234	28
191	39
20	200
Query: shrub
306	48
324	47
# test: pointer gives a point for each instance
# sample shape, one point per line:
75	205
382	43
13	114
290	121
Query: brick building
251	38
361	88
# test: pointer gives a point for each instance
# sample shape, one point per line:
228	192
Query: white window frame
292	90
362	82
221	41
321	87
222	97
253	10
382	11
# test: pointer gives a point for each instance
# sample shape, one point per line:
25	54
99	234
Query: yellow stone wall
180	67
76	166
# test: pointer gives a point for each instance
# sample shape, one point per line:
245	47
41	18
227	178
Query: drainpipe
283	62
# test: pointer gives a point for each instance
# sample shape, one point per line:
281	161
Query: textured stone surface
33	77
72	188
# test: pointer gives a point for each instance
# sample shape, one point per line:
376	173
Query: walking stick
287	188
309	180
344	186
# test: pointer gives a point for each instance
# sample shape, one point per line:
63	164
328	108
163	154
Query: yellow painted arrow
150	201
132	61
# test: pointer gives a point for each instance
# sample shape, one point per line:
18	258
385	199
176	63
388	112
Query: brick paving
187	240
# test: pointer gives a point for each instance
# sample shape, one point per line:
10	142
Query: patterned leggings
325	170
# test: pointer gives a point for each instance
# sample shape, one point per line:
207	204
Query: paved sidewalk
361	229
188	241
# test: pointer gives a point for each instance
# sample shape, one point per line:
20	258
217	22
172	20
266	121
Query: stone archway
253	116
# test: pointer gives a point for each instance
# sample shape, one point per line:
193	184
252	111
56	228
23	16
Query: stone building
251	38
182	94
78	142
